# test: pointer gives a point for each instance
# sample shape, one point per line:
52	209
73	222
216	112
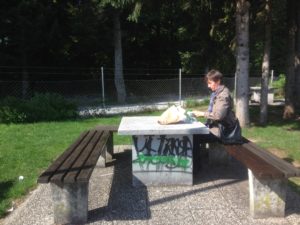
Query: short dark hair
214	75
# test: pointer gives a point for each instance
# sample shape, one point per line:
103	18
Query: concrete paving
219	195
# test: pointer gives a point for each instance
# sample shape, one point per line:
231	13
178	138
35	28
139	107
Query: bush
193	103
12	110
279	85
41	107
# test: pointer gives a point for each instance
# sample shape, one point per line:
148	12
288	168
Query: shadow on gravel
125	201
130	203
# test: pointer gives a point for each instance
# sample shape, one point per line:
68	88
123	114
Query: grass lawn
27	149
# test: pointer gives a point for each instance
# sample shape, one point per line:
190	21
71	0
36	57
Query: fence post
180	87
272	77
102	82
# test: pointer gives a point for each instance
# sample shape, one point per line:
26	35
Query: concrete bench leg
107	153
70	203
102	158
217	154
267	196
110	147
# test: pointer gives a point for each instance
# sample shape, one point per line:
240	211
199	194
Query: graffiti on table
163	152
169	161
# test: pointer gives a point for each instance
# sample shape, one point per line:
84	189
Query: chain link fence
95	88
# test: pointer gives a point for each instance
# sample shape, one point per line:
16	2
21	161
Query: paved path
219	196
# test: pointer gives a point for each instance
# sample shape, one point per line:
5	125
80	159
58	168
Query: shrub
12	110
49	107
41	107
279	85
193	103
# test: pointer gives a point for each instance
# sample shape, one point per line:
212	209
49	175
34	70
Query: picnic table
161	154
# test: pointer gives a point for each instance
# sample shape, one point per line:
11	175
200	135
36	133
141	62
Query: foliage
41	107
193	35
53	33
192	103
279	85
12	110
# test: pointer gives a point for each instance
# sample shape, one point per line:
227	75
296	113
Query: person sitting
221	119
220	109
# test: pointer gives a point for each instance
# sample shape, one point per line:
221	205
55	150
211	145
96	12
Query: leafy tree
195	35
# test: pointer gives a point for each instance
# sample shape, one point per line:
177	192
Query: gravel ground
219	195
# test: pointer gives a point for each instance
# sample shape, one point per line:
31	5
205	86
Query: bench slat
79	164
288	169
64	168
46	175
256	164
86	172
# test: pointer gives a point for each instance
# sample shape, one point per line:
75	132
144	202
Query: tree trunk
242	62
119	78
289	107
265	66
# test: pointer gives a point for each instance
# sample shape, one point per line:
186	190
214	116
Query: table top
148	125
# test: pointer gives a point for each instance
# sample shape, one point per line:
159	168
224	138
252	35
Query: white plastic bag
175	114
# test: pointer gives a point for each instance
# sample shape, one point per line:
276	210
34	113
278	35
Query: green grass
27	149
279	137
283	135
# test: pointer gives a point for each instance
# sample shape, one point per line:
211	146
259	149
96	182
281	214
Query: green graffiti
173	161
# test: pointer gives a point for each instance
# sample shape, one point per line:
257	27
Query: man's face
212	85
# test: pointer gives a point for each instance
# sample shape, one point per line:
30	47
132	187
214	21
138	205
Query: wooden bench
69	174
268	177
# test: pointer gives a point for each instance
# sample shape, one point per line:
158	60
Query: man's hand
198	113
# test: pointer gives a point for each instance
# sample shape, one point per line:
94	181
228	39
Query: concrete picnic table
161	154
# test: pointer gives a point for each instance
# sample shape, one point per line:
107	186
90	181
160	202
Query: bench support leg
110	147
217	154
107	153
267	197
70	203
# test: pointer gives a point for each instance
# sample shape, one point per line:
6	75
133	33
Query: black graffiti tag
147	145
167	146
